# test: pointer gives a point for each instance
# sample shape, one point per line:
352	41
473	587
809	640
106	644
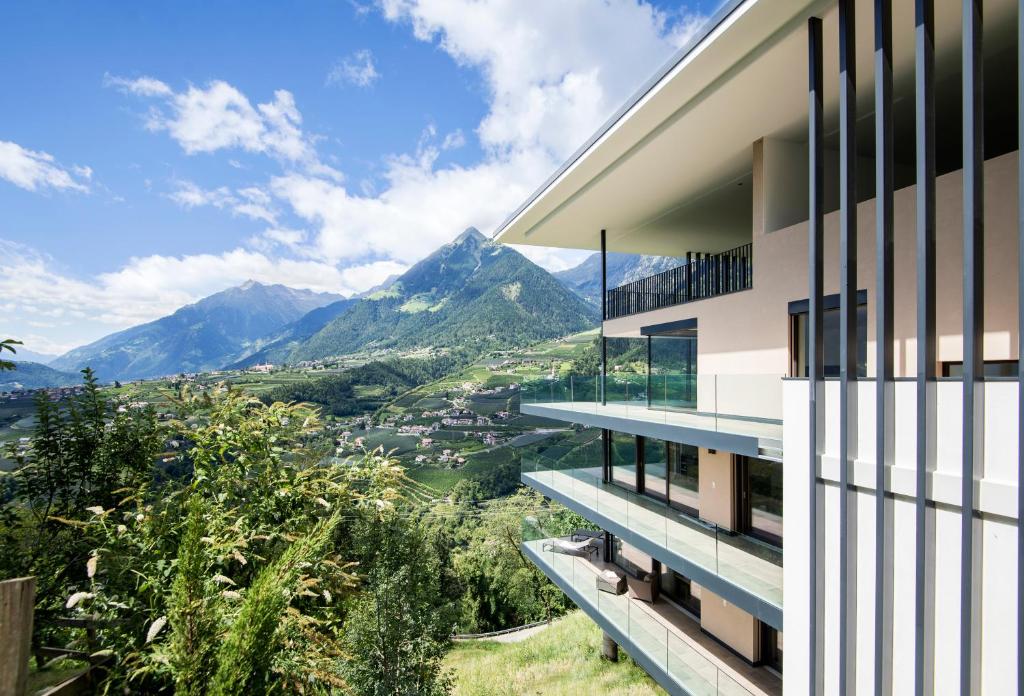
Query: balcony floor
740	435
674	640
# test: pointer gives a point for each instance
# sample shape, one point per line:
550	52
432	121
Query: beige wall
715	485
731	625
748	332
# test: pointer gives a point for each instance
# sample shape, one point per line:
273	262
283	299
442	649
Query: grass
563	660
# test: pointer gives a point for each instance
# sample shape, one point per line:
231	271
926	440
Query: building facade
810	431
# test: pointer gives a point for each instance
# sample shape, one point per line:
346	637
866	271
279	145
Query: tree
398	627
8	344
232	582
83	453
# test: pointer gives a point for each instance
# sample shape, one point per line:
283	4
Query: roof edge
720	15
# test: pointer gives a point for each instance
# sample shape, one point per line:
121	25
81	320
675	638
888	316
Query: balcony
735	413
709	275
668	643
742	569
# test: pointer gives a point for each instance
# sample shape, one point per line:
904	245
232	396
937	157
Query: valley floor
563	660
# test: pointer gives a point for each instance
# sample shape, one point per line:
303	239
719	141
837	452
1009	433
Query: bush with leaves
398	627
231	583
84	451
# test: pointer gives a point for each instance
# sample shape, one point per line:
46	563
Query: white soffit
670	175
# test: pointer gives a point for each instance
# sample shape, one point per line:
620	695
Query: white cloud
61	311
251	202
33	170
559	69
357	69
142	86
220	117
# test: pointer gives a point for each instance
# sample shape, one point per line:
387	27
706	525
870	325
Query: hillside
31	375
279	346
562	660
470	293
585	279
218	329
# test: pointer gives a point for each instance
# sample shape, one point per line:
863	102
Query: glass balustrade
742	560
749	405
649	632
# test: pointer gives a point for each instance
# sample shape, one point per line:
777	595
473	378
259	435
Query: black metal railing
707	275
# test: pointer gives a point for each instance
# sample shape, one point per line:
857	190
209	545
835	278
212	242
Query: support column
604	313
1020	346
974	317
847	316
609	648
815	244
925	220
883	310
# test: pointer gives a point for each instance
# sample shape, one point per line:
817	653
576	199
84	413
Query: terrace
666	641
736	413
740	568
704	276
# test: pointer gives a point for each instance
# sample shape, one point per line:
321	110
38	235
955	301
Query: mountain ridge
200	336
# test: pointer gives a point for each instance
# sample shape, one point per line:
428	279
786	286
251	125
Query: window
623	460
673	370
681	590
683	479
830	329
759	504
993	368
771	647
655	465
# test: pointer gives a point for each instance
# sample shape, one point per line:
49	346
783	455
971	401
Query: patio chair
641	588
581	549
611	581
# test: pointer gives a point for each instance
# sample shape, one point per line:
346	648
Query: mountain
470	293
279	346
585	279
218	329
25	355
31	375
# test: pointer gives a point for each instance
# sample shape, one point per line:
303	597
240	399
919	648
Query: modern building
810	430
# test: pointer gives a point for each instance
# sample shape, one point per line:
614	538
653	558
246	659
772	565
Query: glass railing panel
648	634
690	669
751	564
693	540
727	686
746	404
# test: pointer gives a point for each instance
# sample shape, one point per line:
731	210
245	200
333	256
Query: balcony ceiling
674	173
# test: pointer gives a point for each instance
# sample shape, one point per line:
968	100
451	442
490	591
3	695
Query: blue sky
151	154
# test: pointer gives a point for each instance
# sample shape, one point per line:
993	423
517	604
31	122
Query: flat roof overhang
671	171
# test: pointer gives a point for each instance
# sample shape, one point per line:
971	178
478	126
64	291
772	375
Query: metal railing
708	275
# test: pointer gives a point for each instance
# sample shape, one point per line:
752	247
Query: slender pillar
609	648
648	372
816	352
924	58
1020	346
974	315
604	313
883	308
847	310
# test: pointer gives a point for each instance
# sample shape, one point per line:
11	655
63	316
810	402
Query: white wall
995	568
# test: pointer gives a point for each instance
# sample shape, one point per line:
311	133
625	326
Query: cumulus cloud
251	202
41	295
357	69
560	69
219	117
34	170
